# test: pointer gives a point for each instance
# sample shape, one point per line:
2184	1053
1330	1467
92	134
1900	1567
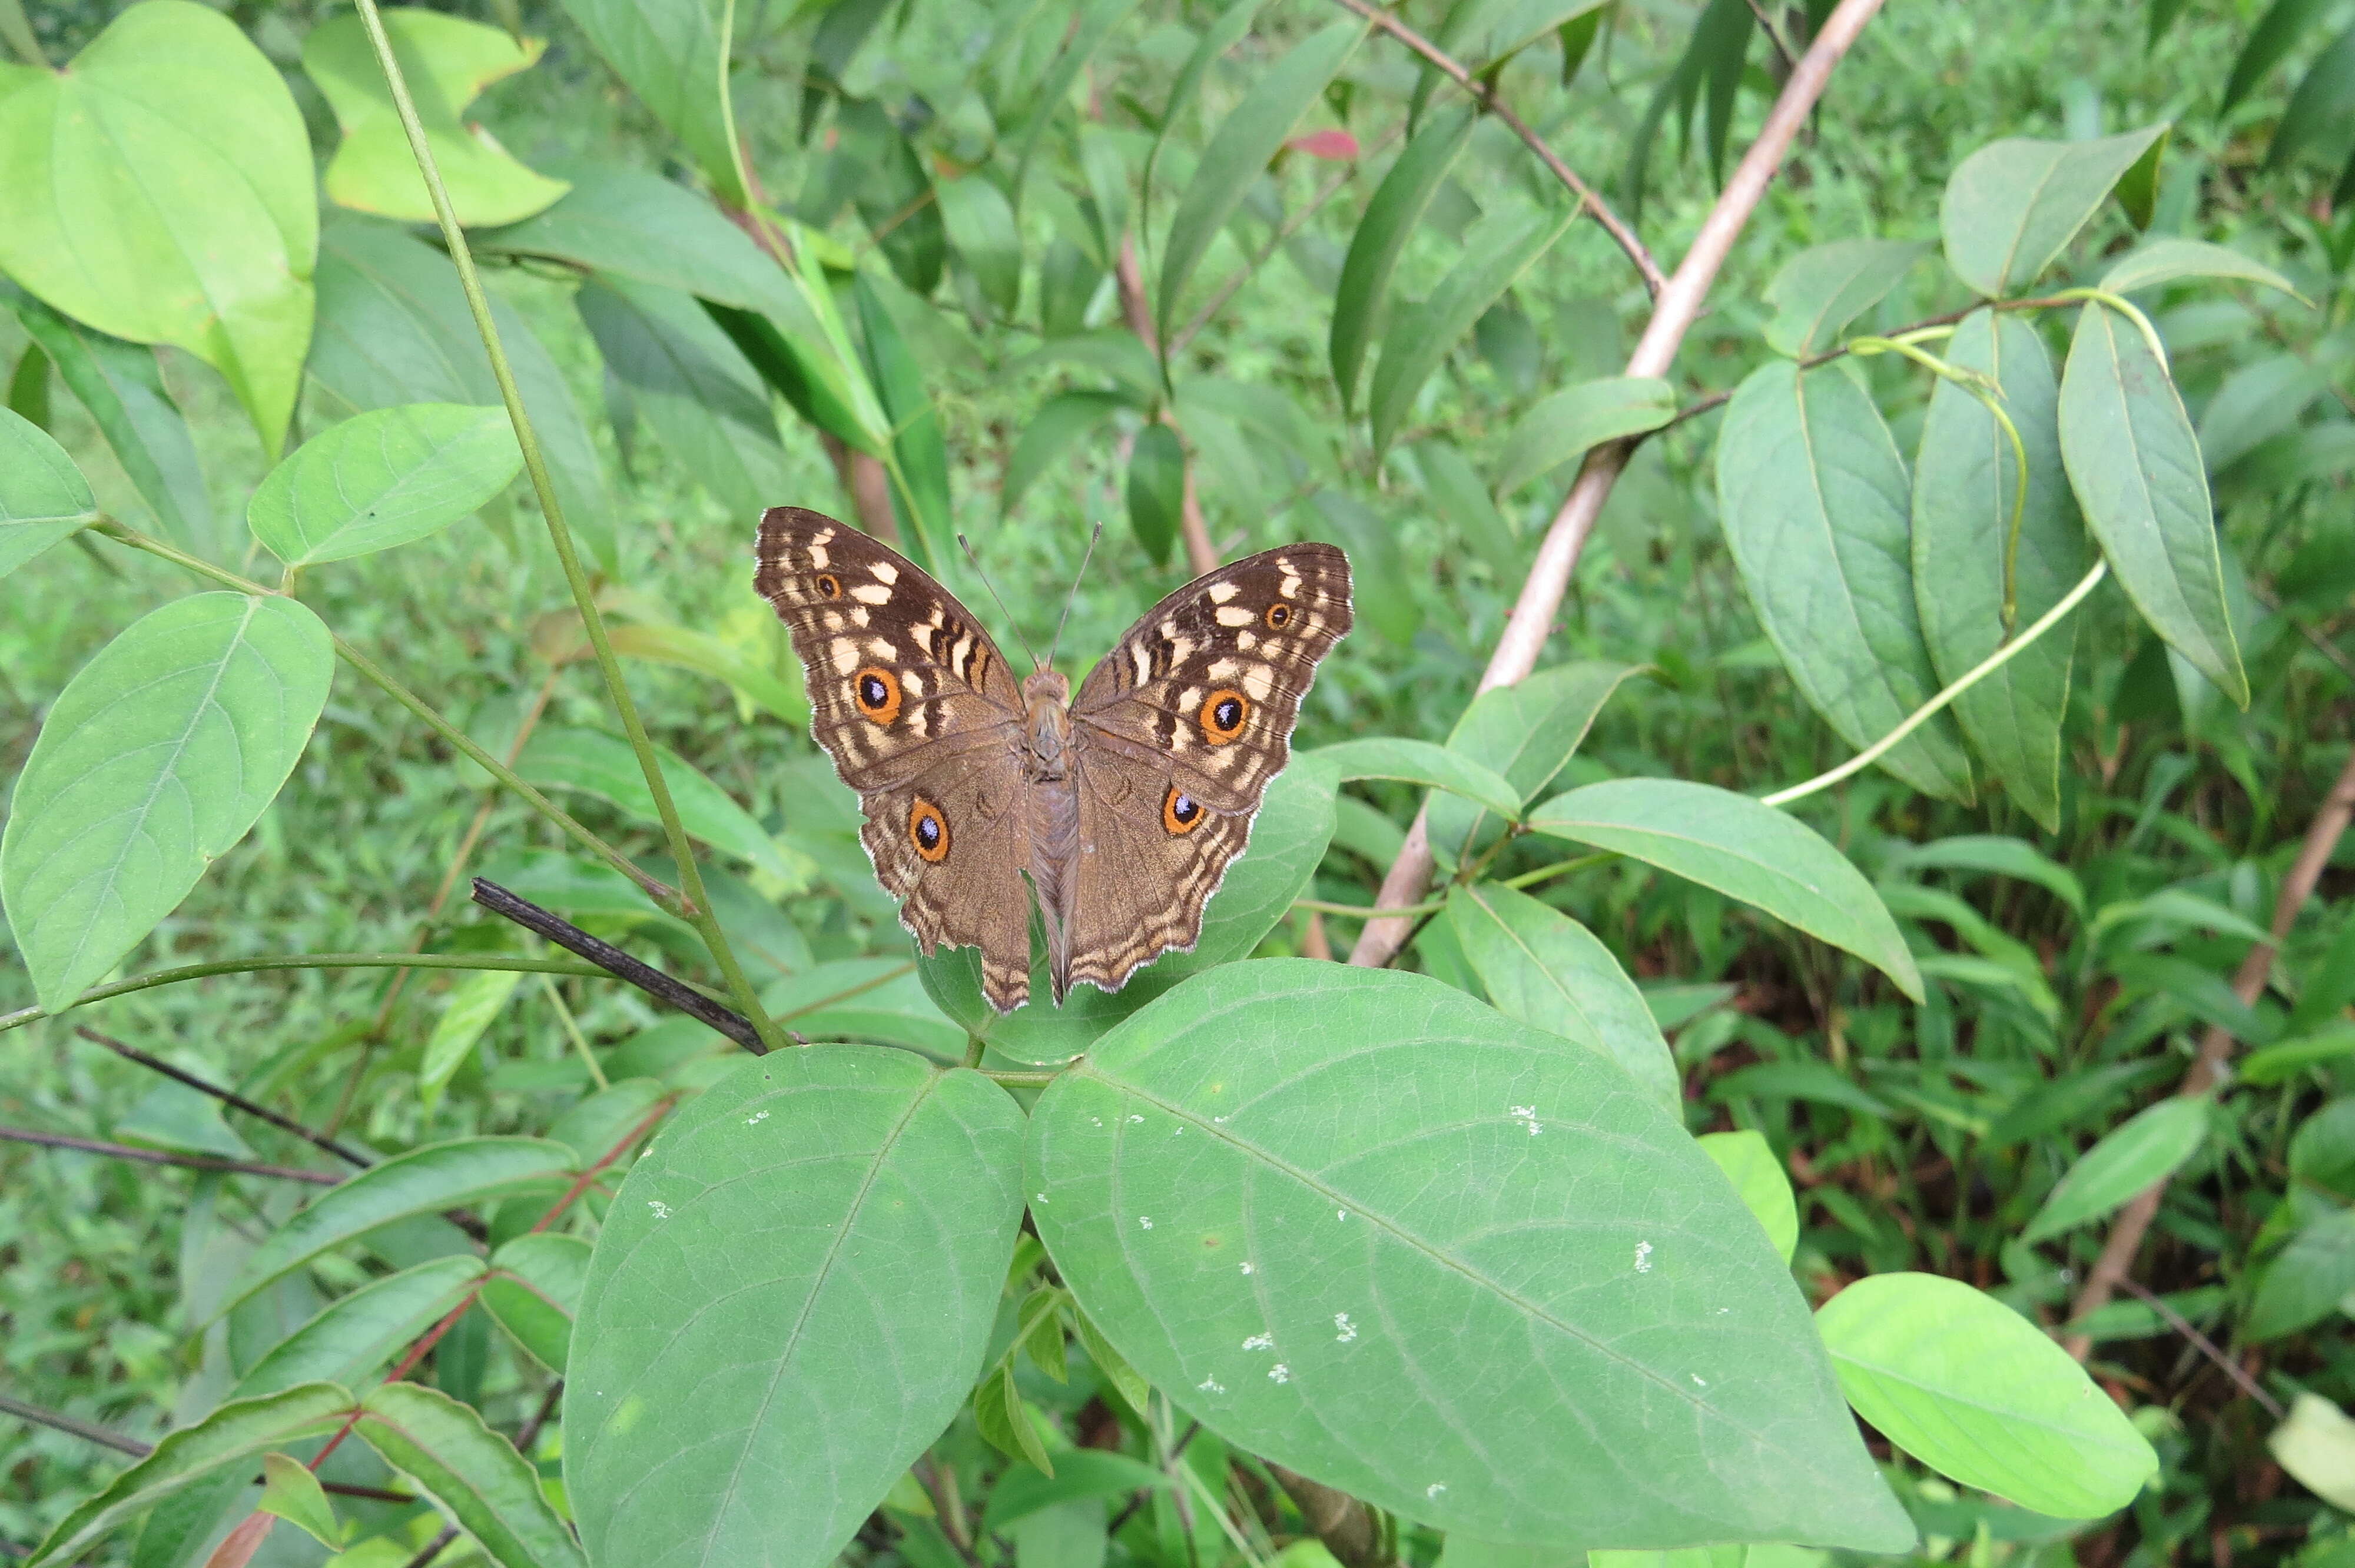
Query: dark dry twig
158	1157
2205	1346
341	1150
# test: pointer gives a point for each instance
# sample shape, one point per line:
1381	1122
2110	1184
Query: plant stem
376	675
572	1031
1964	683
158	1157
1674	311
584	599
519	961
230	1097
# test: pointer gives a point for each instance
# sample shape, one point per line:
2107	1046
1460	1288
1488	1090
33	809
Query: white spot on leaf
1260	1342
1348	1329
1279	1372
1212	1385
1433	1491
1143	1223
661	1209
756	1118
1527	1116
1247	1268
1643	1257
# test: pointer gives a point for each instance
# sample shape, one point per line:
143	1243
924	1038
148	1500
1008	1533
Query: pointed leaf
633	224
1398	206
673	54
2169	260
2305	1282
919	490
1062	419
1528	731
814	1365
605	766
2317	1445
1749	1163
2013	206
1744	850
44	500
383	479
1418	762
154	761
1559	427
1822	289
1156	489
534	1293
355	1337
472	1471
293	1493
2132	1157
474	1002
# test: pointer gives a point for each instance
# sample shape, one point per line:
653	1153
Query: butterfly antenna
1072	597
966	545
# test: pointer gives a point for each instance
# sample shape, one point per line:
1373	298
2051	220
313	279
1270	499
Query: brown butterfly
1124	806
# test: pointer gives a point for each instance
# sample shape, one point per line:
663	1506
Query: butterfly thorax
1046	725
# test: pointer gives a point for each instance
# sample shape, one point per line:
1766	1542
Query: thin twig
231	1098
123	1443
529	1433
1774	35
2112	1269
432	1549
1486	95
2206	1347
1674	311
158	1157
618	964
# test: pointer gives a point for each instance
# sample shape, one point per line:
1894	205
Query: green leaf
1815	501
636	225
164	193
1398	206
382	478
1080	1473
476	1475
673	55
474	1002
707	655
1528	731
920	490
122	389
447	62
1745	850
1819	1083
2146	1149
1115	1369
1460	499
1749	1163
1363	1225
1422	335
2304	1283
981	226
232	1434
534	1292
2257	401
702	398
2169	261
2317	1445
1062	419
1543	968
2137	473
1965	484
2314	120
2000	856
875	999
394	328
1087	32
605	766
154	761
1822	289
44	500
1385	589
2283	1060
1980	1394
293	1494
2274	35
2011	207
355	1337
1560	427
425	1180
1156	489
835	1346
1238	152
1416	762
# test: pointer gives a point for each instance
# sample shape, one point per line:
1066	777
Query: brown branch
158	1157
617	963
2111	1270
1484	94
868	483
1200	554
1348	1528
230	1097
1674	311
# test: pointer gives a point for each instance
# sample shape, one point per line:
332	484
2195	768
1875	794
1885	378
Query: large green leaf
789	1298
2317	1445
634	224
472	1471
1813	500
1156	489
1361	1225
446	61
1744	850
155	760
2169	260
44	500
1822	289
1978	1391
1415	762
1420	336
160	190
673	54
1749	1163
1528	731
2137	473
394	328
2130	1158
355	1337
465	1171
1966	484
2010	206
2305	1282
1398	206
694	387
234	1434
920	487
382	478
605	766
1543	968
1560	427
1238	152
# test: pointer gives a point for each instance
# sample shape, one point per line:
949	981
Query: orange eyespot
829	585
877	692
1180	812
1279	616
1222	714
928	830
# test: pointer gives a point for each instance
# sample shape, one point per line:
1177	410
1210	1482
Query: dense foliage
1707	1095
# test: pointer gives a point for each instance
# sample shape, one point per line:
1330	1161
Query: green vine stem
696	904
1922	715
521	963
376	675
2128	309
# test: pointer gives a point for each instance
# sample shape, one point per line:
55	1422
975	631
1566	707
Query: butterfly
1123	806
